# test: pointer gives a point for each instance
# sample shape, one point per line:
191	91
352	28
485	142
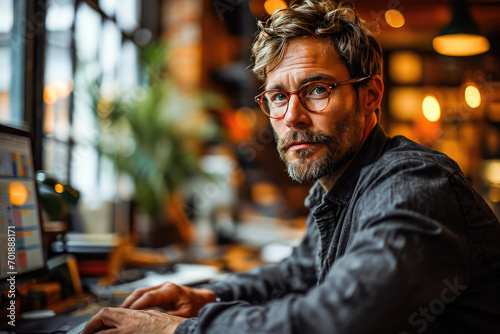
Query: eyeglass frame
288	95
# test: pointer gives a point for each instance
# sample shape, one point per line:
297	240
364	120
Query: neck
328	181
370	123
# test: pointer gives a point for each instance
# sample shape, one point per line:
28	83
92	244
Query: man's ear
371	94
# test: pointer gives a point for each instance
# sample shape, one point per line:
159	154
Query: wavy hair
337	22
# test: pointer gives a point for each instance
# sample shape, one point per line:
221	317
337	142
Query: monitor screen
21	245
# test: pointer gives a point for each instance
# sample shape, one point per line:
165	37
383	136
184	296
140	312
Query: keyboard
78	329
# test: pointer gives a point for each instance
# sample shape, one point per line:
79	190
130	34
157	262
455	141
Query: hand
175	299
122	321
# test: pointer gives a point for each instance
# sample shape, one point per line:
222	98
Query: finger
104	319
136	294
148	299
93	327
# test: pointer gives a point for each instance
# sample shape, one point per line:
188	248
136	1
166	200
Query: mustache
303	135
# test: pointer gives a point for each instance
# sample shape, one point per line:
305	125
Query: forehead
306	57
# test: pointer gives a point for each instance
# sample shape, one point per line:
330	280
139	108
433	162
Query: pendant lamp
461	37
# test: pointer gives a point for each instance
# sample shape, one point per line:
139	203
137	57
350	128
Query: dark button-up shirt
400	244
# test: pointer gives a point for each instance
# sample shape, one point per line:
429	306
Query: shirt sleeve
402	268
296	273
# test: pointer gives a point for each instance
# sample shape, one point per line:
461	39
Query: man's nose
296	116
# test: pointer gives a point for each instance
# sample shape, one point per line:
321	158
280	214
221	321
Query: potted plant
155	133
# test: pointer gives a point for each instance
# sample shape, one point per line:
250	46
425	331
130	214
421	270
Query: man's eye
318	91
278	98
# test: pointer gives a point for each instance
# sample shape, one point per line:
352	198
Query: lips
300	145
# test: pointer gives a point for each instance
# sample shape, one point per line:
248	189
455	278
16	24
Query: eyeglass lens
313	97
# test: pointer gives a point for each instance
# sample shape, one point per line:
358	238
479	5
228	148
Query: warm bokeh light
494	193
394	18
405	67
431	108
472	96
460	44
18	193
59	188
246	116
492	172
405	103
50	94
273	5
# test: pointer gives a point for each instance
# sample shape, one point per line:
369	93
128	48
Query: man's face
316	144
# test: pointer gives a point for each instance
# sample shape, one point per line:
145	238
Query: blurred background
143	110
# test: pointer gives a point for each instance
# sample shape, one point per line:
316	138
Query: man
397	240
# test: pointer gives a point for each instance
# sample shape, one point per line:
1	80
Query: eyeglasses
314	96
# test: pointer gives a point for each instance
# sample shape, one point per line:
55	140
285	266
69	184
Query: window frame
34	38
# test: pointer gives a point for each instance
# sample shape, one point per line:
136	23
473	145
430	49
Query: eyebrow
310	78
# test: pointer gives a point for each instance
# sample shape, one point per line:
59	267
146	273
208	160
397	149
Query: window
58	84
11	62
85	41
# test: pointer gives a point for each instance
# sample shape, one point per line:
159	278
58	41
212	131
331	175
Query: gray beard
340	151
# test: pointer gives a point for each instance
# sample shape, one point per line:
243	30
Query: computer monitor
21	237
